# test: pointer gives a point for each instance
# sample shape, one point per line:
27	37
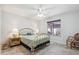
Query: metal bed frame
32	31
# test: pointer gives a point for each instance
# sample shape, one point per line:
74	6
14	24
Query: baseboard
57	42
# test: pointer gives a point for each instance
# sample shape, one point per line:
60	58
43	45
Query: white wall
43	26
11	21
0	24
40	24
69	25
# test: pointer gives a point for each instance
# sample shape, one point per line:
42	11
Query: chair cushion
76	36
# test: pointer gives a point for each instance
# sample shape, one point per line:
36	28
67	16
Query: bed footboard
32	49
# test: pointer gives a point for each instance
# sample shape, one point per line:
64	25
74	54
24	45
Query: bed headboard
26	31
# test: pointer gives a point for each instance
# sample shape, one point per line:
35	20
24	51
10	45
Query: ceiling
31	10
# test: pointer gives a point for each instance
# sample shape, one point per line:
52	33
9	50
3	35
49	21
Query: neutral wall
0	21
43	26
11	21
69	25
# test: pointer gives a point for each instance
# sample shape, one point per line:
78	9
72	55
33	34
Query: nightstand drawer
14	41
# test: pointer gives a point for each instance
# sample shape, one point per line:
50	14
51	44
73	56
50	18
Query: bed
28	38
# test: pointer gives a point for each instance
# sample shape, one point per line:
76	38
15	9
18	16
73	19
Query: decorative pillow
29	34
26	31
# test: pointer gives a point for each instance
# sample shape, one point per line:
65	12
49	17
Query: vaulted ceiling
31	10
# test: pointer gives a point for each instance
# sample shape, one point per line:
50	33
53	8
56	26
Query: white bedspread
34	40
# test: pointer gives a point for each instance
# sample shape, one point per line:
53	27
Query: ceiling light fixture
40	14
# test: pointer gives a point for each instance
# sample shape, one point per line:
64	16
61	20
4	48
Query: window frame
52	25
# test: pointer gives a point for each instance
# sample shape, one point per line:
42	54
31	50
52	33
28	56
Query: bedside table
14	41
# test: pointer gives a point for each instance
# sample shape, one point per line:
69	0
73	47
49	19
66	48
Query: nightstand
15	41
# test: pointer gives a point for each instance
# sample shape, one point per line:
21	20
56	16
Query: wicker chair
73	41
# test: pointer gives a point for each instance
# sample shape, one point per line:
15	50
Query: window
54	27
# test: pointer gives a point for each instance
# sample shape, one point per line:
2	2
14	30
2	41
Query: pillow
76	36
29	34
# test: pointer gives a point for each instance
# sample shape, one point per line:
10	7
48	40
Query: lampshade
15	30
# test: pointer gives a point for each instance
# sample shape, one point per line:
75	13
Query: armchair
73	41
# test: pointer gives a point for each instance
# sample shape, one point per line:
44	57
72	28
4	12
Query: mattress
34	40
